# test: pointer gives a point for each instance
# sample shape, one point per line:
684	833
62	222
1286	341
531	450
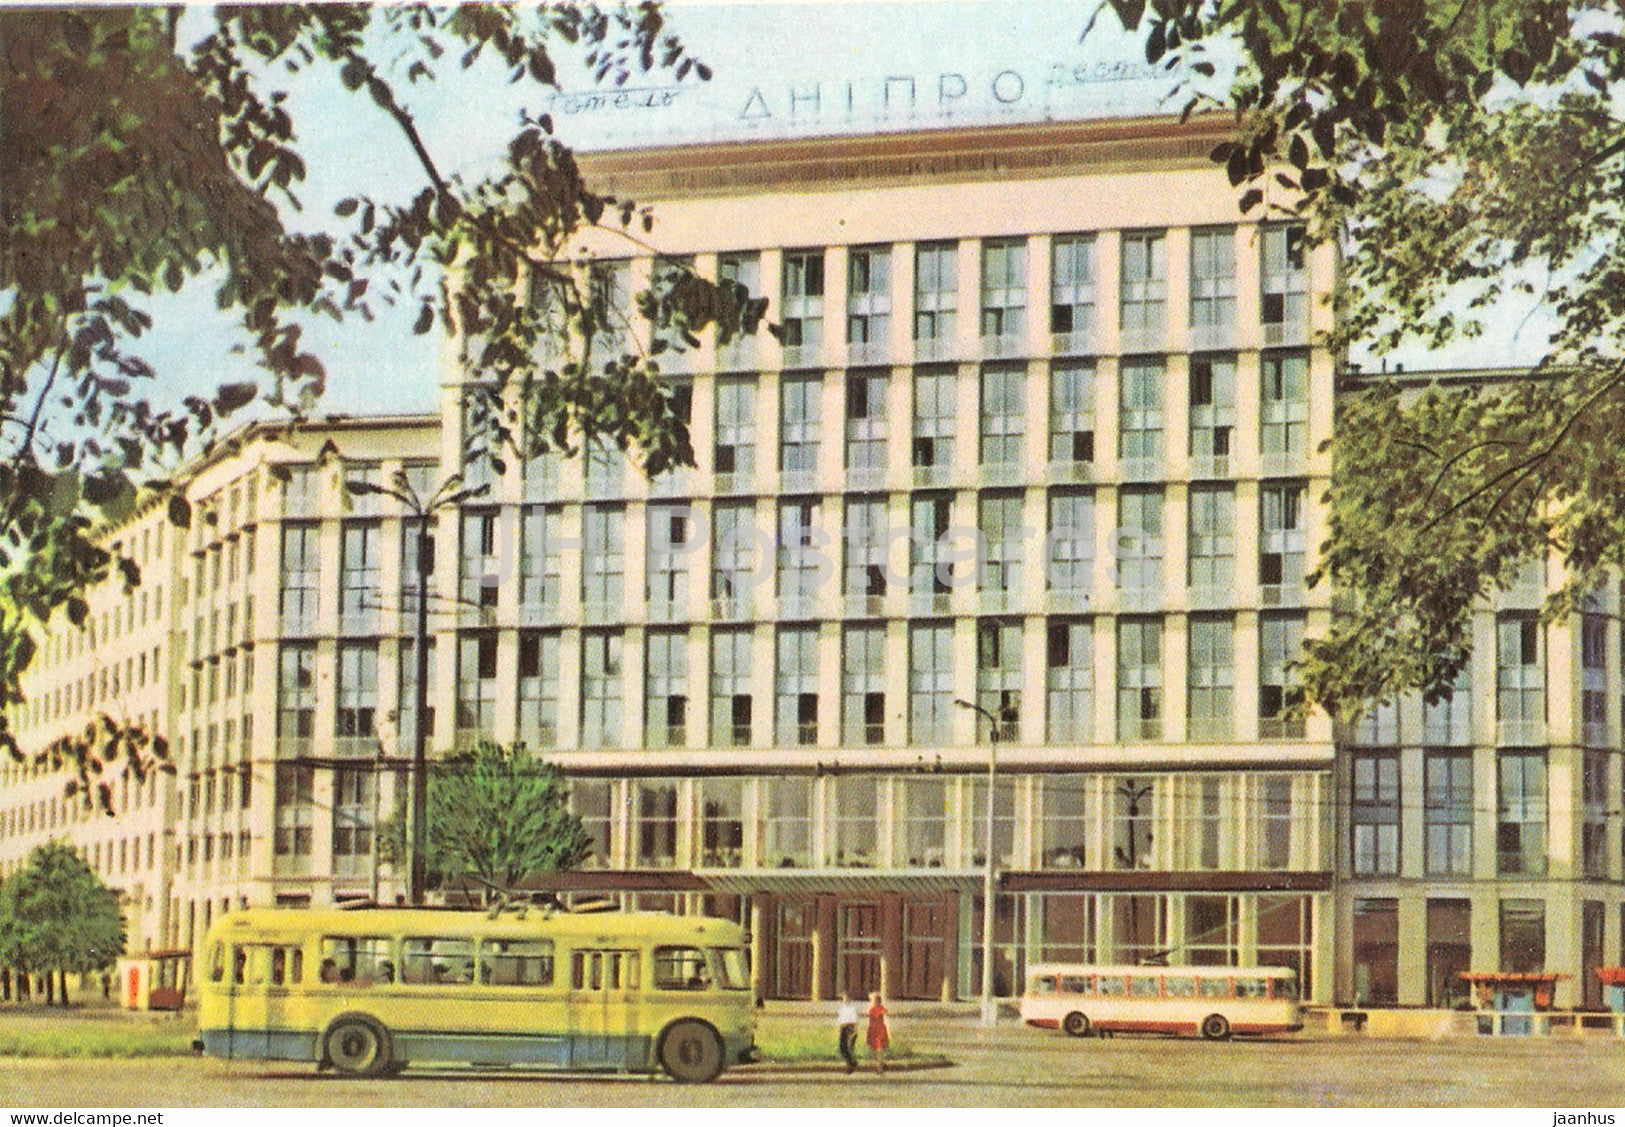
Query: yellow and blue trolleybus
369	991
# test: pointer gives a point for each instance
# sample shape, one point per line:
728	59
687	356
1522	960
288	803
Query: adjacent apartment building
1042	435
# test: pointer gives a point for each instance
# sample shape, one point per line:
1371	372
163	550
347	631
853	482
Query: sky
778	70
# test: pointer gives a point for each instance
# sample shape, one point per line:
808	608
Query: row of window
869	699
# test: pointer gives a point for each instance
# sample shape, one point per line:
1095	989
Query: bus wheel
1075	1024
1215	1027
358	1046
691	1052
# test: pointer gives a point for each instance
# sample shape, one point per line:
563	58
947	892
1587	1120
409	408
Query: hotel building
1043	433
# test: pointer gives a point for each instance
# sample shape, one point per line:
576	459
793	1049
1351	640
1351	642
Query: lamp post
448	495
990	1011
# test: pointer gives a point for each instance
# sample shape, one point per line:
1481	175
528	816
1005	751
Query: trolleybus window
437	961
680	968
1179	986
604	970
287	966
1252	988
1077	984
1111	985
1215	987
358	961
516	962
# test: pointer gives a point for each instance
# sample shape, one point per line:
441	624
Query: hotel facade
1043	434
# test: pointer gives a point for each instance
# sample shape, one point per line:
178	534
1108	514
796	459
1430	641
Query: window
481	573
731	701
1523	936
603	469
417	550
1072	413
998	676
1211	542
796	687
1280	693
934	422
930	681
680	968
1284	281
1210	692
1139	440
1213	414
656	828
538	718
406	719
357	690
802	567
1594	679
799	412
1003	418
299	491
1281	537
1004	290
999	522
735	452
856	822
803	304
1374	815
295	798
301	574
430	962
666	689
922	822
600	688
296	693
1004	823
516	962
1071	541
593	801
603	564
360	961
603	970
868	300
610	283
1213	279
864	576
1070	680
1520	696
353	804
735	554
476	684
359	597
1144	287
1062	842
936	286
1594	825
1132	801
541	559
1447	814
1207	838
1072	285
1139	679
1275	817
1139	539
787	827
1520	832
669	543
863	696
1212	935
722	822
1376	951
931	566
1284	409
866	421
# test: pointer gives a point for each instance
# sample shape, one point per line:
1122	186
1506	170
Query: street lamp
990	1011
448	495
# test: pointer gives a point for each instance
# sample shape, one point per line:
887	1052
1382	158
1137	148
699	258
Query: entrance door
793	924
926	925
1450	951
858	945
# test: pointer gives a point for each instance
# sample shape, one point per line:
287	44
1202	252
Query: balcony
729	608
866	478
1282	594
1068	602
360	622
539	614
804	355
1209	596
1143	338
738	355
993	601
599	611
928	602
1292	463
1141	599
355	747
1141	469
1598	733
1206	338
1280	728
1210	729
798	481
865	606
1000	473
798	606
680	482
667	610
732	483
1279	334
926	477
294	747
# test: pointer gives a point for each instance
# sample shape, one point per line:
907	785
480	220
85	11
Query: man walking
846	1016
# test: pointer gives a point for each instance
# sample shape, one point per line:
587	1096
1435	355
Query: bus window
732	966
1111	986
681	968
287	965
1144	985
217	963
516	962
1284	988
604	970
437	961
1252	987
1215	987
1044	984
1077	984
352	960
1179	986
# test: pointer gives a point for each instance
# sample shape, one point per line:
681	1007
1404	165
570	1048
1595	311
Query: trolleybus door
603	991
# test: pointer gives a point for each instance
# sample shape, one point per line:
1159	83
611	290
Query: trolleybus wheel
357	1046
1215	1027
1075	1024
691	1052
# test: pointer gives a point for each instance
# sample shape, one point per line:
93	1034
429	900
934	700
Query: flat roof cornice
937	155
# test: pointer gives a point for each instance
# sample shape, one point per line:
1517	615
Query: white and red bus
1213	1001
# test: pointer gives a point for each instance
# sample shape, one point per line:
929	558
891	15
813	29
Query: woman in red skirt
879	1037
